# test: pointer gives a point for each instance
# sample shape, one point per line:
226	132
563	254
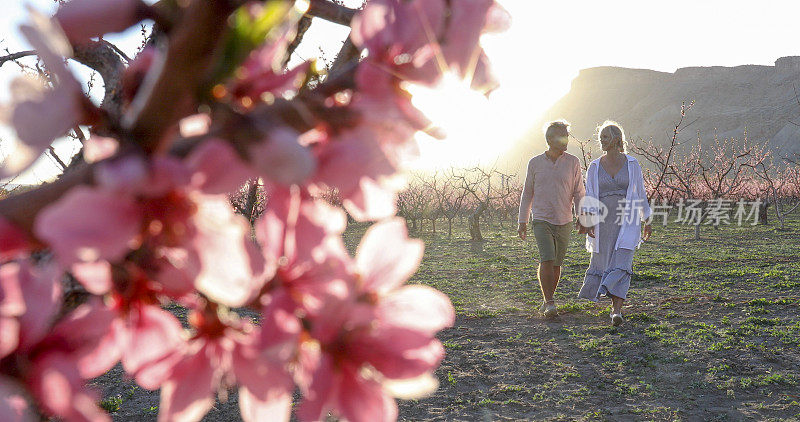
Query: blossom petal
189	393
417	307
386	257
265	388
88	225
370	202
41	290
153	335
85	19
89	334
281	158
94	276
217	168
231	266
98	148
58	387
9	335
364	400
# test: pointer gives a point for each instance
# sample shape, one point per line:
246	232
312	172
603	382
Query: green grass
711	322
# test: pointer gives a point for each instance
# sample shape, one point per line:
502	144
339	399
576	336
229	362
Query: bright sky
548	43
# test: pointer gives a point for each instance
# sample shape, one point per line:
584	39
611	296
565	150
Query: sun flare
475	132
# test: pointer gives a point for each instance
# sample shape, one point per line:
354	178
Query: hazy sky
548	43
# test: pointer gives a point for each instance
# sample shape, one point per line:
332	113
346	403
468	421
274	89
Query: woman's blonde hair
616	132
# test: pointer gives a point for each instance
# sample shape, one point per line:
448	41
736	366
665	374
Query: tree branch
103	57
331	12
16	56
192	47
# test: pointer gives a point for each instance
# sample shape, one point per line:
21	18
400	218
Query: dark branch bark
16	56
347	55
103	57
192	50
302	28
331	12
55	156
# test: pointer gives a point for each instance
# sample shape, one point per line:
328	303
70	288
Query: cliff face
728	101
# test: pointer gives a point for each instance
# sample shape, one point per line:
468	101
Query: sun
474	129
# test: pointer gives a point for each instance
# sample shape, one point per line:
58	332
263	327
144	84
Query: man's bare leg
547	280
556	278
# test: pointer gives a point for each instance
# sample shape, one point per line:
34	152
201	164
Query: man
553	183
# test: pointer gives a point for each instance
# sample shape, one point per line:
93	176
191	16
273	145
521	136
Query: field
712	332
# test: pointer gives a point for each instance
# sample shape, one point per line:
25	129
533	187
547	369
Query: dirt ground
712	332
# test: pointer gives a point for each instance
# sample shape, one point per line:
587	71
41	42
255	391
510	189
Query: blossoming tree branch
144	220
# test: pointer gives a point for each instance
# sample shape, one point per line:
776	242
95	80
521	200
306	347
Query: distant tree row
678	172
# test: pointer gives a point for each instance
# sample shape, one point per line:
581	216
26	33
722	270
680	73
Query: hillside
728	101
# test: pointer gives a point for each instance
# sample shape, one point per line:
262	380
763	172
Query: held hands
522	230
584	230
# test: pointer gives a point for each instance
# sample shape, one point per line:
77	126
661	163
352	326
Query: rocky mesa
728	101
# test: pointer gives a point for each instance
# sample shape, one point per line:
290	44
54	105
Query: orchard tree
780	186
144	219
450	198
477	182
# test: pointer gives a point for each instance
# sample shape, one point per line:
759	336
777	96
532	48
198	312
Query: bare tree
781	184
661	159
478	183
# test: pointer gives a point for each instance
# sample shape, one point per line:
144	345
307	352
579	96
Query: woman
615	179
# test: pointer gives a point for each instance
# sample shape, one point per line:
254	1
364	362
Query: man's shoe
616	320
550	310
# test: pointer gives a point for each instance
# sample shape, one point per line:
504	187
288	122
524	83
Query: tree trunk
475	224
433	225
763	212
696	232
449	228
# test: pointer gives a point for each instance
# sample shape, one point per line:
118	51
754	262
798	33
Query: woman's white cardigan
630	234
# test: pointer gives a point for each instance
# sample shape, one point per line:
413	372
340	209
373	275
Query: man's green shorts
552	240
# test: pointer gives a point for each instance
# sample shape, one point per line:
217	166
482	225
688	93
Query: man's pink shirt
552	188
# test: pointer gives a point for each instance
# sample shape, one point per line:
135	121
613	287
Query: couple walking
610	209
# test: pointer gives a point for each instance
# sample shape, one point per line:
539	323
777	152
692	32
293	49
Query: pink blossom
362	192
164	210
98	148
282	158
217	168
385	327
262	72
88	225
228	353
84	19
302	246
47	358
462	49
58	387
383	270
401	37
86	335
64	105
41	291
230	265
151	341
12	305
